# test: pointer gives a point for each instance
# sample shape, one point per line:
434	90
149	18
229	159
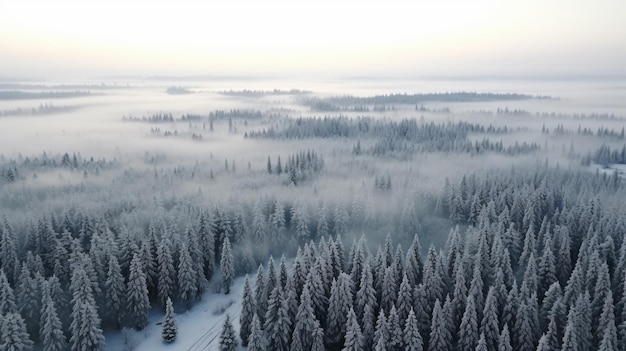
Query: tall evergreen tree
256	341
7	298
490	325
228	267
86	334
51	329
468	332
13	335
137	294
187	288
504	344
354	338
115	292
247	313
166	272
340	303
277	325
412	337
440	337
305	324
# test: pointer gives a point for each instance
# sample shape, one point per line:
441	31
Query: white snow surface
199	327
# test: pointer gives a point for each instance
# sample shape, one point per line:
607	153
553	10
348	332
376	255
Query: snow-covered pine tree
354	337
468	332
247	313
504	343
13	334
85	331
339	305
51	331
169	330
115	292
137	293
228	339
187	288
412	337
227	265
256	341
305	324
7	298
167	273
440	338
277	325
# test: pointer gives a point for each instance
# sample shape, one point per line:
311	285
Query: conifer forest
311	216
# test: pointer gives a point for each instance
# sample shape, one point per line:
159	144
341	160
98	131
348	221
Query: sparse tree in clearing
228	267
228	339
169	330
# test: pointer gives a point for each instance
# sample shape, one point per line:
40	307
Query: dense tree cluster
540	267
399	137
605	156
338	103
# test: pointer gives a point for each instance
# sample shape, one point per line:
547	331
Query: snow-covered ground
198	328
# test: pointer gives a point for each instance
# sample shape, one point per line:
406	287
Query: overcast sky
341	38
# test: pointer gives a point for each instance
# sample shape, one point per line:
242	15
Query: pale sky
343	38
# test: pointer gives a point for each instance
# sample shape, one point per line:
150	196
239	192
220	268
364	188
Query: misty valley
357	214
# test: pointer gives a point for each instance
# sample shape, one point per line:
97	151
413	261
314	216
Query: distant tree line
22	95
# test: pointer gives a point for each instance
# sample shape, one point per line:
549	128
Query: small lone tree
228	341
169	325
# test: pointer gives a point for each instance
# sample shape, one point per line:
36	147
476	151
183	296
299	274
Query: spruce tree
468	332
85	331
115	292
169	330
277	325
137	294
51	331
440	338
187	288
490	326
354	338
256	341
13	335
247	313
412	338
340	303
7	298
167	273
228	267
504	343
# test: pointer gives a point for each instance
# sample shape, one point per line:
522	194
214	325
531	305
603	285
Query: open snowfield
199	328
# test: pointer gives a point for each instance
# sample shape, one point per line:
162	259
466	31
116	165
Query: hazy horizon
51	40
